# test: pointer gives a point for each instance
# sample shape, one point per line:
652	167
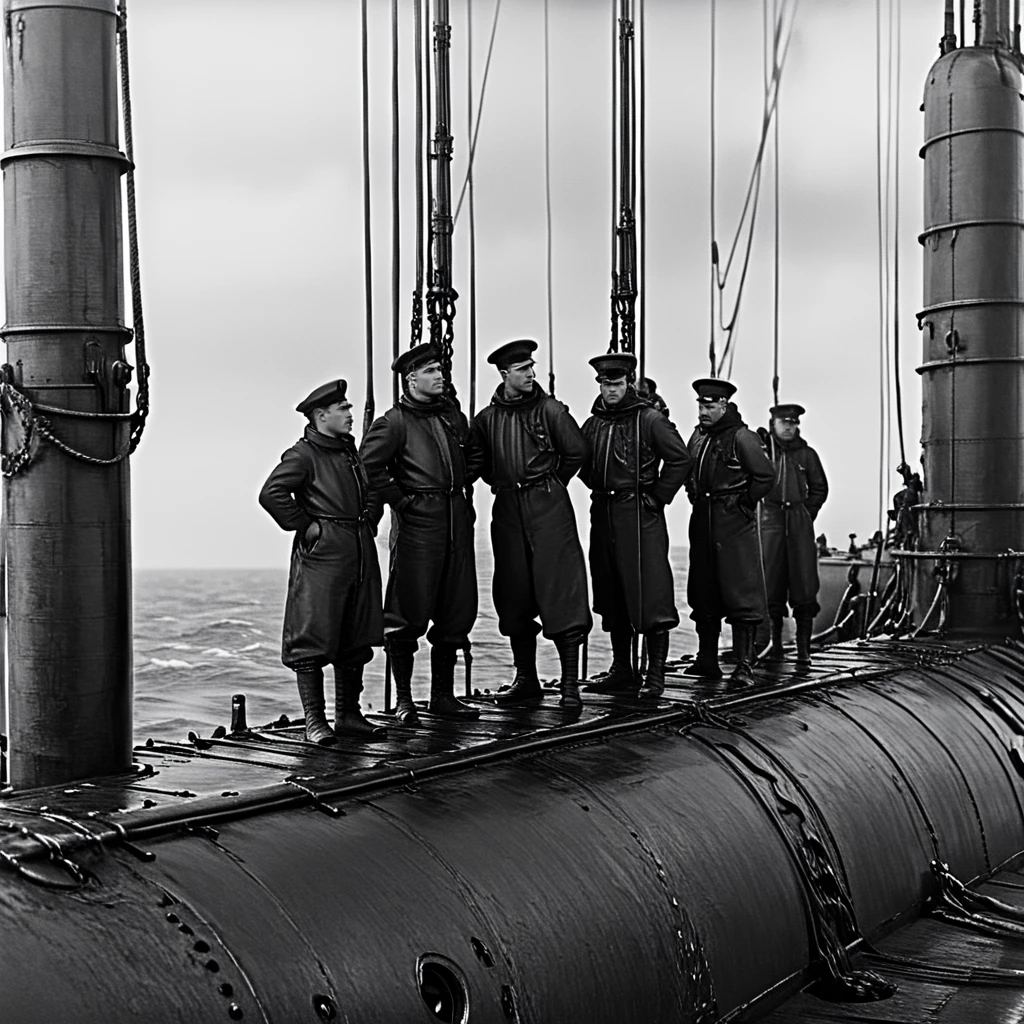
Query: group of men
752	542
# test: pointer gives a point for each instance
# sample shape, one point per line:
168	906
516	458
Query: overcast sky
248	147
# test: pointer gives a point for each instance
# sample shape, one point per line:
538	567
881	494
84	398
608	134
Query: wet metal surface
695	858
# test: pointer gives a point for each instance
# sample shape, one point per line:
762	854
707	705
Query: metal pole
67	520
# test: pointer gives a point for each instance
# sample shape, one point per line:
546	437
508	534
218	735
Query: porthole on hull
443	988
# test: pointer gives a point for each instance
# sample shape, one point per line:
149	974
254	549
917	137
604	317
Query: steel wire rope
614	345
479	111
472	222
775	293
882	197
641	158
368	411
711	189
396	206
416	323
748	214
547	200
896	243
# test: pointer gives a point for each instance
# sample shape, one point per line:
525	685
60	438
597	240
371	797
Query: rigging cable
748	214
396	209
614	345
368	411
641	276
547	199
896	236
138	419
472	215
479	110
714	230
775	296
416	325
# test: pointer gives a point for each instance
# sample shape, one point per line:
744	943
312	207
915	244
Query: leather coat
415	458
333	609
528	450
632	448
731	474
787	528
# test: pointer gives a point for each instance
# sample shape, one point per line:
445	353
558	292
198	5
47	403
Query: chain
13	463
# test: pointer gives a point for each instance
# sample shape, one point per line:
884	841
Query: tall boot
619	678
348	719
743	634
443	702
310	681
657	652
706	662
804	625
525	688
401	654
568	645
774	652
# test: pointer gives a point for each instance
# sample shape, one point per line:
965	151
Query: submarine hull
655	874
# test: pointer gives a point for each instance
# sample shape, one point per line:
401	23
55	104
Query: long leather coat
787	528
632	449
333	611
731	474
415	459
528	450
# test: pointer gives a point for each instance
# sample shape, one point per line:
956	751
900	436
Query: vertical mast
68	537
972	516
441	295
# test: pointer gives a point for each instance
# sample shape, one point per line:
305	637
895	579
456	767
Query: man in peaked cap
635	463
787	530
415	457
731	474
527	447
333	611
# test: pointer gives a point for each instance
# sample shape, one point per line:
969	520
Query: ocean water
202	635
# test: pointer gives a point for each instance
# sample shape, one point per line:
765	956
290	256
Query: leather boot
706	662
774	652
657	652
743	634
619	678
310	681
568	645
348	719
525	688
804	625
443	702
401	655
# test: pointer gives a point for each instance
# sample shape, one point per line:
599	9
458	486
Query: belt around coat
526	485
782	504
363	517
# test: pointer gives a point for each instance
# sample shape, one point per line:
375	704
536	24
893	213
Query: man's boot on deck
525	688
706	662
657	652
443	702
804	625
619	678
568	645
348	719
401	654
743	634
774	651
310	679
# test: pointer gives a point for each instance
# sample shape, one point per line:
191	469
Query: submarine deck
229	775
945	972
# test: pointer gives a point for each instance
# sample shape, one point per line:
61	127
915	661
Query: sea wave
170	663
230	622
218	652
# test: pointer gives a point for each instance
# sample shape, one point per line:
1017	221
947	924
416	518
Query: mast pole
66	508
441	295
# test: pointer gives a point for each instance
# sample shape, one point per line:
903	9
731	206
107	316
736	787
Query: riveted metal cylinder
68	522
971	321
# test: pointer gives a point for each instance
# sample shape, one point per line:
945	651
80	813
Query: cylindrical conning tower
68	541
973	422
